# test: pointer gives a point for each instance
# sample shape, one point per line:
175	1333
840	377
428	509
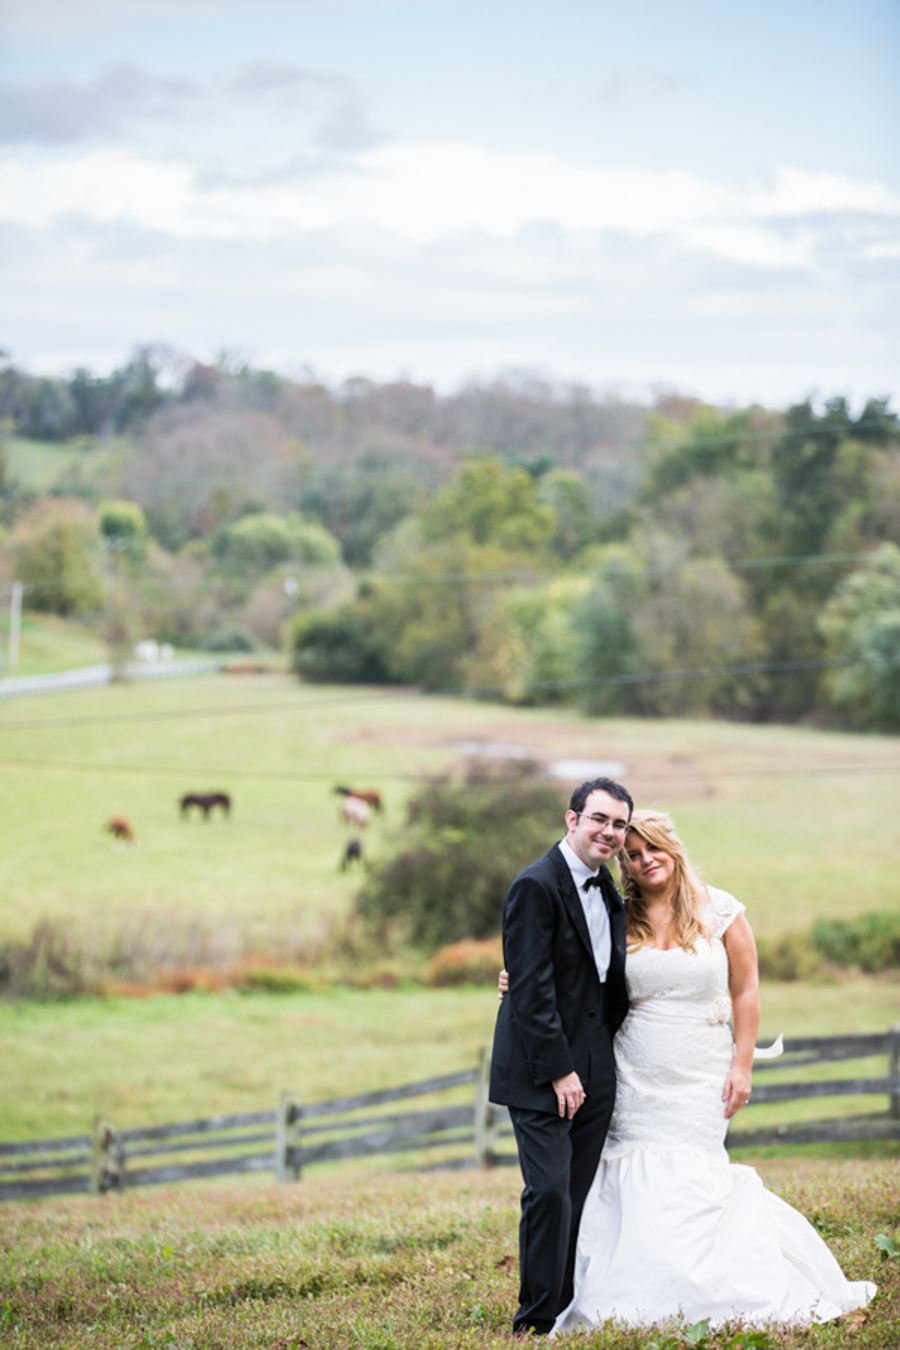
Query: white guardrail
19	686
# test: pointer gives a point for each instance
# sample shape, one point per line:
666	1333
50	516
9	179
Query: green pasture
35	466
796	822
173	1057
48	644
39	466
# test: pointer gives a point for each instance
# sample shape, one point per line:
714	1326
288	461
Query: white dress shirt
594	907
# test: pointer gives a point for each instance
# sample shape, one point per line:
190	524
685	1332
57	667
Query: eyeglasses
618	826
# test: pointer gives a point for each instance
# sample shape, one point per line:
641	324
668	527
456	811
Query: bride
670	1227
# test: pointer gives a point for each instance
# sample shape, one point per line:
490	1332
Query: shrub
279	980
789	957
871	941
465	840
339	647
47	967
235	639
467	962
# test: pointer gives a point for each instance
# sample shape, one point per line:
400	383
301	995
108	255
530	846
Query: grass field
48	644
409	1262
797	822
36	465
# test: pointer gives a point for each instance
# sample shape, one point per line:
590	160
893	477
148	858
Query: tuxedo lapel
571	898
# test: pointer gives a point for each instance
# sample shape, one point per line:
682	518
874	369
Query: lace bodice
697	977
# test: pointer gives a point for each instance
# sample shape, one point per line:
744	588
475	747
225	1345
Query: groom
552	1064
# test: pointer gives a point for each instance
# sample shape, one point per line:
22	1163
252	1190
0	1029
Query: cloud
266	122
425	192
56	17
797	192
625	86
267	77
348	129
60	111
608	309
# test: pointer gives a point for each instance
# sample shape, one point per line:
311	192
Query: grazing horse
367	795
205	801
356	812
119	828
352	854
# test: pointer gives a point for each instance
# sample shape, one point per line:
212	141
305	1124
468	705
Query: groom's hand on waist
569	1094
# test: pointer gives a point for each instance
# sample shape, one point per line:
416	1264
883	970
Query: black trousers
559	1161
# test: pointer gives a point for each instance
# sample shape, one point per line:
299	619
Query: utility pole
15	628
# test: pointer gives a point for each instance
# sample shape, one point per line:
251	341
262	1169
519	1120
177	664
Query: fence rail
82	677
301	1134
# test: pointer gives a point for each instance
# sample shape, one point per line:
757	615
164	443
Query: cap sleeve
722	911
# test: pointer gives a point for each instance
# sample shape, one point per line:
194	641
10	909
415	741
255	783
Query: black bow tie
592	881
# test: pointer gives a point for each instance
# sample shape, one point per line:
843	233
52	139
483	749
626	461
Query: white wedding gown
670	1227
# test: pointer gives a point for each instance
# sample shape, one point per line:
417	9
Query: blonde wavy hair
657	830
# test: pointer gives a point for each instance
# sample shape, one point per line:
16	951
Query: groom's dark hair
584	790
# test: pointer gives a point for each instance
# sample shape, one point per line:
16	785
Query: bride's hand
736	1092
502	984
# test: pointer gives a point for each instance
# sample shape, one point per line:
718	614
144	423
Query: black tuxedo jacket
557	1007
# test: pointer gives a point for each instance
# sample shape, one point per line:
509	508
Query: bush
871	941
234	639
465	841
789	957
49	966
279	980
467	962
337	647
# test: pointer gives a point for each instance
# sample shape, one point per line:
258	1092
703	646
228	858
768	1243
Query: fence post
894	1070
287	1139
107	1159
486	1125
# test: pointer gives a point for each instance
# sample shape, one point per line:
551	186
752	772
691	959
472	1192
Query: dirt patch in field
651	779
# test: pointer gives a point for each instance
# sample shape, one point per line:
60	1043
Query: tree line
525	541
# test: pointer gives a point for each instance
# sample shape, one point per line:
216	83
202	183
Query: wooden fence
808	1050
470	1133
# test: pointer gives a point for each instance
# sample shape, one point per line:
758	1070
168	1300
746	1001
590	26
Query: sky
633	194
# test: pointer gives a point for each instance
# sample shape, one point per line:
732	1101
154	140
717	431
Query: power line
659	676
167	771
221	710
275	775
405	692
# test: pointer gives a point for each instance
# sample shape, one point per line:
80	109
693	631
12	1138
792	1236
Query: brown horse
119	828
367	795
205	802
